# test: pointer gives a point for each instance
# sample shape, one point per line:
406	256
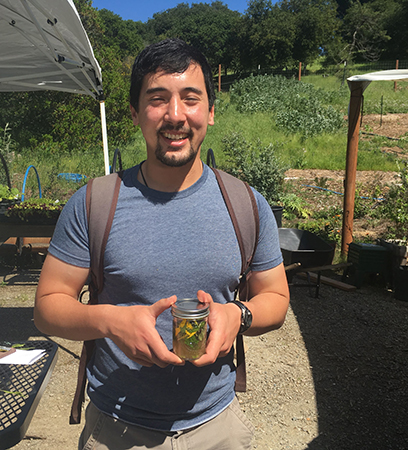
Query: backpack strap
243	210
101	200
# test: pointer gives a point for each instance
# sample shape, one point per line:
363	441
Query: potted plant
8	197
39	211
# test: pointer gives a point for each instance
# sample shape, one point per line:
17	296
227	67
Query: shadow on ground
17	322
358	349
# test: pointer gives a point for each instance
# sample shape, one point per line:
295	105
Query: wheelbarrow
306	252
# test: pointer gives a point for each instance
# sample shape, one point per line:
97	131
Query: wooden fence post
300	72
396	67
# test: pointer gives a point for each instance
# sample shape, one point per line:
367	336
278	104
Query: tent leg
104	137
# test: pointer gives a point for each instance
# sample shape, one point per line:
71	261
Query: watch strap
246	316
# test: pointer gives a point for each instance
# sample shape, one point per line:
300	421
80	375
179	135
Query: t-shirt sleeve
69	242
268	253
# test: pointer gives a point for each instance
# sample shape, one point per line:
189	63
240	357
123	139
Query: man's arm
269	302
58	312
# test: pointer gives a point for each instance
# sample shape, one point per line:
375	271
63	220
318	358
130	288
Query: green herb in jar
189	337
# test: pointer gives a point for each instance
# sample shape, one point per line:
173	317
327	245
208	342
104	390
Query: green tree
315	23
125	35
365	30
267	36
287	32
212	28
397	30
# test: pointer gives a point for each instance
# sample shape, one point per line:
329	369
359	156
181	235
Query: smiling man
163	246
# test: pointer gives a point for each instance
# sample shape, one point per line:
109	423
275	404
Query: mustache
180	129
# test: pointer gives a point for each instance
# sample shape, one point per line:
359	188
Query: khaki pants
230	430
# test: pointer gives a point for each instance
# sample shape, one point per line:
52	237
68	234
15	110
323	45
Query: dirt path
333	377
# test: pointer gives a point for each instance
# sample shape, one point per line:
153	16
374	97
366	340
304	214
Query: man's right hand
132	328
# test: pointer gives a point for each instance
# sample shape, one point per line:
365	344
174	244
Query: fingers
160	306
223	331
203	297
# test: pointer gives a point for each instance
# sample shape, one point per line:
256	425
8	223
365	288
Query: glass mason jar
190	318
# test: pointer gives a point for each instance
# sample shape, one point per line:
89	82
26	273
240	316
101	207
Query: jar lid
190	308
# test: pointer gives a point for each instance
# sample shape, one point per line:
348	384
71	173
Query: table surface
25	385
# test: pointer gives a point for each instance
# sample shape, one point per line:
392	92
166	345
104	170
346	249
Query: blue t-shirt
162	244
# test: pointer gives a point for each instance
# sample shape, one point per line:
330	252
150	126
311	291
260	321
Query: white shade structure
44	46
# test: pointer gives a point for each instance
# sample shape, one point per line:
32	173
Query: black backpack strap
101	200
243	210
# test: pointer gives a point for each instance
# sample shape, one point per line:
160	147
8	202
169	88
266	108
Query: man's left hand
224	322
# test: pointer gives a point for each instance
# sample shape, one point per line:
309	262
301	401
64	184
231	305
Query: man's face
174	115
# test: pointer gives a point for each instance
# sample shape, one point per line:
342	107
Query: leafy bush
255	164
329	228
396	205
298	107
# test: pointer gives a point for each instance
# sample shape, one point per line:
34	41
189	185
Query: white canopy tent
44	46
358	84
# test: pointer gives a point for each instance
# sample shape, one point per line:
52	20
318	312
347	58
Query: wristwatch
246	316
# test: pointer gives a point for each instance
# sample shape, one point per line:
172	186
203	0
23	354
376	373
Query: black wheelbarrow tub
304	247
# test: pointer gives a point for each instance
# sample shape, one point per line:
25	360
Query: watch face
246	316
246	319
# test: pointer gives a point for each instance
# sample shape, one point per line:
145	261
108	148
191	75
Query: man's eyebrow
154	90
162	89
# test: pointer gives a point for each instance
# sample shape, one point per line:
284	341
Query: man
163	246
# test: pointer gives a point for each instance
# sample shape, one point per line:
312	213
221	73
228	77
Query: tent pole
351	168
104	136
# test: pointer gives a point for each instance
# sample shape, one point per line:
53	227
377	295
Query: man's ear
135	117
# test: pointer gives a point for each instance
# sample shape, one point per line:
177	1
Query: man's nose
175	111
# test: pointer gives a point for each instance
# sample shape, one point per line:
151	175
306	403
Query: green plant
256	164
395	206
321	182
328	229
294	207
298	107
8	194
38	208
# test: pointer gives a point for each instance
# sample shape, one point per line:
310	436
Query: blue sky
144	10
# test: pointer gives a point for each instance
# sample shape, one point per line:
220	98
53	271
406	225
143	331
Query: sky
144	10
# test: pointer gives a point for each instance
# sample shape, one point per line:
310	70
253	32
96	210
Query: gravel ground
333	377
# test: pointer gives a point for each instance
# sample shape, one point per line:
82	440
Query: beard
176	158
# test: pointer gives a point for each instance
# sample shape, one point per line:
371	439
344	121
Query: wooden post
396	67
219	77
300	72
351	168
